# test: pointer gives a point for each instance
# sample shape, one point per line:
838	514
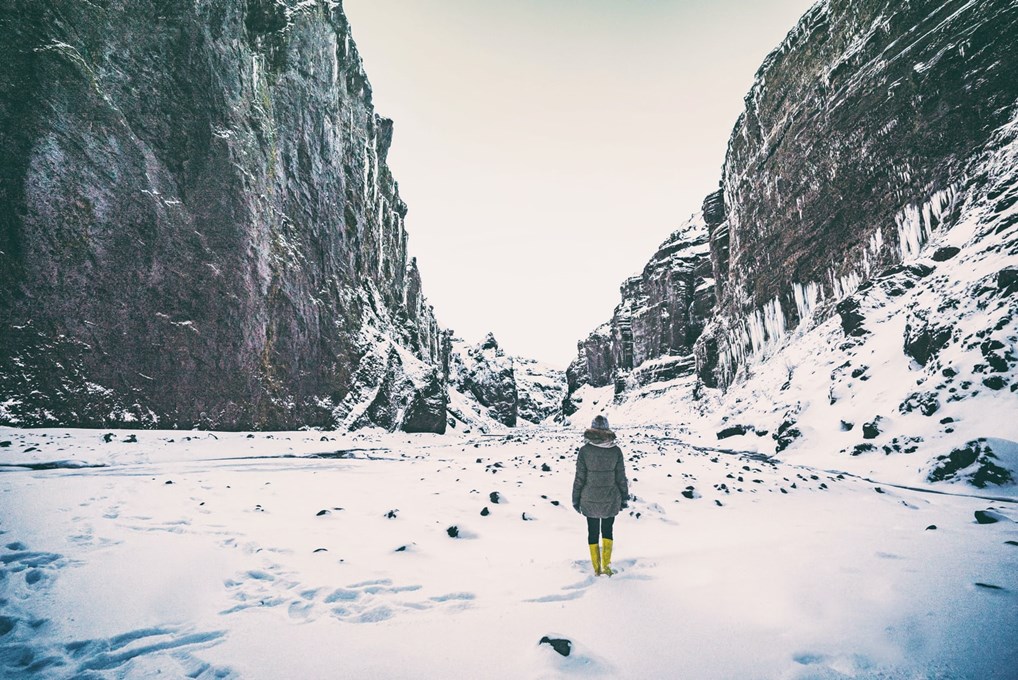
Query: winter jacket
600	487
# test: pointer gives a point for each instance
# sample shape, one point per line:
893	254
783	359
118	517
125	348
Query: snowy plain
326	555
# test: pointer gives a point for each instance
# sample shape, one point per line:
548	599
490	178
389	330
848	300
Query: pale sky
545	148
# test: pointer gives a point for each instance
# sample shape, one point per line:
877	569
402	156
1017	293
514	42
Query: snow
110	572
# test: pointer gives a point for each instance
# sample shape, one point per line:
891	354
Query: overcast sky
546	147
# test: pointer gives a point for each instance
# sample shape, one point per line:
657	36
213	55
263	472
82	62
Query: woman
600	489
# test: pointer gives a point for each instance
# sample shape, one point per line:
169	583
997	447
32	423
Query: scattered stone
924	340
555	503
5	444
322	513
7	625
846	426
169	481
932	527
878	489
392	514
862	448
851	318
545	467
989	517
133	439
495	497
453	531
871	430
945	253
786	434
1007	280
560	645
250	436
485	512
527	519
108	437
974	463
734	431
690	493
994	382
924	402
403	548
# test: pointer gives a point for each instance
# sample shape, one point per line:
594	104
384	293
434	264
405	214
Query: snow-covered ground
319	555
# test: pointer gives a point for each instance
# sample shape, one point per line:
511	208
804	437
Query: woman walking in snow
600	489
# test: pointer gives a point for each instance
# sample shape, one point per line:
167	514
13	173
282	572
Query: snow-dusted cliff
489	388
198	226
864	250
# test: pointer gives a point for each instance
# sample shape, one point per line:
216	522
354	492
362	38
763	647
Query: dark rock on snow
989	517
974	463
734	431
871	430
944	254
560	645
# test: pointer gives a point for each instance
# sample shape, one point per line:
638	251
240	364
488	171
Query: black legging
605	525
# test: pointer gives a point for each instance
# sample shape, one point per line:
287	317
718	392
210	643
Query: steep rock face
198	226
541	389
856	144
863	245
663	311
485	383
488	375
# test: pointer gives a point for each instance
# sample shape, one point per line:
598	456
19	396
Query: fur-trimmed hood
604	439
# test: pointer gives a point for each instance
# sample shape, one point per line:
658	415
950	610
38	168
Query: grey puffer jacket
600	487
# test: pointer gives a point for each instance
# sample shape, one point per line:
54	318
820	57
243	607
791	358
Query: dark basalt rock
871	430
945	253
978	453
923	339
925	402
197	224
851	318
1007	280
988	517
786	434
560	645
734	431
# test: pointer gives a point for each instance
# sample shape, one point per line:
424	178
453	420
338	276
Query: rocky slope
663	311
864	249
198	226
486	385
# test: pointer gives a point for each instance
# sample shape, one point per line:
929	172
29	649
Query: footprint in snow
625	570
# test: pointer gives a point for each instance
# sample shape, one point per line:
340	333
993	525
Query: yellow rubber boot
595	558
606	556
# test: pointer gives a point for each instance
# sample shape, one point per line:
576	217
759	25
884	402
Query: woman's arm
620	479
579	480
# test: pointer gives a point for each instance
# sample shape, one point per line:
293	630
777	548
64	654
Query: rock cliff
487	383
863	248
857	143
663	310
198	226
